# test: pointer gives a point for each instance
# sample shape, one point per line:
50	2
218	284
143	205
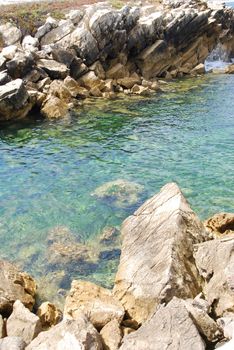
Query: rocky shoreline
174	289
99	51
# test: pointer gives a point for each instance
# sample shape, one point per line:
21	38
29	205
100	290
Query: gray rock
54	69
10	34
215	262
12	343
67	335
50	24
4	78
58	33
166	228
63	56
23	323
2	62
20	65
170	328
14	103
75	16
9	52
30	44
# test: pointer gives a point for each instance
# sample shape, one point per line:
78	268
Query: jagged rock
15	285
12	343
63	56
30	43
54	69
9	52
118	71
170	327
10	34
2	328
58	33
4	78
49	315
75	89
166	228
54	108
14	100
96	303
120	192
77	68
220	224
57	88
45	28
199	69
226	323
75	16
140	90
23	323
111	335
215	262
20	65
129	82
68	334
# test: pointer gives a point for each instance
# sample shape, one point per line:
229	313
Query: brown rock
129	82
198	70
2	327
75	89
49	315
58	88
140	90
96	302
220	224
118	71
54	108
111	335
157	254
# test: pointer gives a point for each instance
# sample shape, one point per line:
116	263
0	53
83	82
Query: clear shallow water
49	171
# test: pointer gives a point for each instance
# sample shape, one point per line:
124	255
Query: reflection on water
51	220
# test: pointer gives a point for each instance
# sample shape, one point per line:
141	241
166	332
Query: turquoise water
50	170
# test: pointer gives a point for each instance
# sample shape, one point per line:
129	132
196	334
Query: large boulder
54	108
171	328
67	335
15	101
20	65
15	285
58	33
96	303
10	34
215	262
53	68
23	323
157	254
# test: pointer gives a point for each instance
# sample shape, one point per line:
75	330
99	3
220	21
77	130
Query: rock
230	69
90	80
111	335
45	28
49	315
96	92
23	323
205	324
4	78
2	62
75	89
2	328
199	69
97	68
63	56
12	343
96	303
166	228
220	224
120	192
9	52
119	71
54	69
109	235
54	108
10	34
20	65
58	33
68	334
57	88
226	323
14	100
77	68
215	262
140	90
75	16
30	43
129	82
169	328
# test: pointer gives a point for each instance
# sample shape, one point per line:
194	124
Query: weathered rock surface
171	328
12	343
15	285
111	335
49	315
54	108
215	262
23	323
220	224
54	69
10	34
2	328
96	303
166	228
67	335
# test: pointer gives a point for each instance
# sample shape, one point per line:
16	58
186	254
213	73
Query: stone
57	33
2	62
230	69
166	228
4	78
75	16
96	302
118	71
63	56
57	88
120	192
111	335
215	262
2	328
170	327
30	43
12	343
129	82
20	65
23	323
49	315
198	70
54	108
95	92
14	100
10	34
97	68
68	334
9	52
226	323
140	90
90	80
75	89
109	235
78	68
45	28
54	69
220	224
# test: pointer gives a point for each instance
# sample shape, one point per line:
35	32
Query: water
49	171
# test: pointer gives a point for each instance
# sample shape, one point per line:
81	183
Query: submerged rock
96	302
120	192
157	254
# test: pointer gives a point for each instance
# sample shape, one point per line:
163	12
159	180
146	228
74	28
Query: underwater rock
15	285
110	235
156	261
49	315
220	224
96	302
121	193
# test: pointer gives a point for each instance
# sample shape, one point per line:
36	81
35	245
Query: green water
49	170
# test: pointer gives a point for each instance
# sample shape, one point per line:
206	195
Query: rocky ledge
174	289
99	51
